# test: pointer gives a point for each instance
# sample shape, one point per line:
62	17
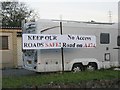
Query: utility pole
62	55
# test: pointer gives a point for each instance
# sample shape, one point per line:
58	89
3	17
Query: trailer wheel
77	68
91	67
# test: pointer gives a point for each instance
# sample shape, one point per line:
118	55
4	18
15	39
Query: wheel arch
84	62
80	65
93	63
77	63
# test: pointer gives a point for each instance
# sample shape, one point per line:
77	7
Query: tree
14	12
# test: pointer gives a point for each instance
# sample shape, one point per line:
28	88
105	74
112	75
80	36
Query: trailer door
105	43
118	43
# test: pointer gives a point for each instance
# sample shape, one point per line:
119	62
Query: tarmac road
23	72
17	72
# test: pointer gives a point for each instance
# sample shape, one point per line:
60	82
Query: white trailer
104	55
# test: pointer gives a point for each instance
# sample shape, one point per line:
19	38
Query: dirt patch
90	84
114	83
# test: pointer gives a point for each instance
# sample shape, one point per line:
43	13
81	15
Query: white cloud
75	9
70	0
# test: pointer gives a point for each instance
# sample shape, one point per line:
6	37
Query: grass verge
67	77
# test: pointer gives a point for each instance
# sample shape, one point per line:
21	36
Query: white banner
50	41
79	41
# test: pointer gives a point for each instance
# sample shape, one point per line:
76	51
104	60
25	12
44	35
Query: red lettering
57	44
89	45
94	45
51	44
85	45
46	45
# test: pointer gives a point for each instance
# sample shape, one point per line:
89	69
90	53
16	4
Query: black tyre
91	67
77	68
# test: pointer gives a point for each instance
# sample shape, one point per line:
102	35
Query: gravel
17	72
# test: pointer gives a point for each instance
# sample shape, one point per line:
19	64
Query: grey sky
80	10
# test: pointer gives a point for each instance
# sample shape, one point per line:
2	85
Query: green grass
67	77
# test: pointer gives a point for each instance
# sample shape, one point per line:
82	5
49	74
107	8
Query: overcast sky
80	10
